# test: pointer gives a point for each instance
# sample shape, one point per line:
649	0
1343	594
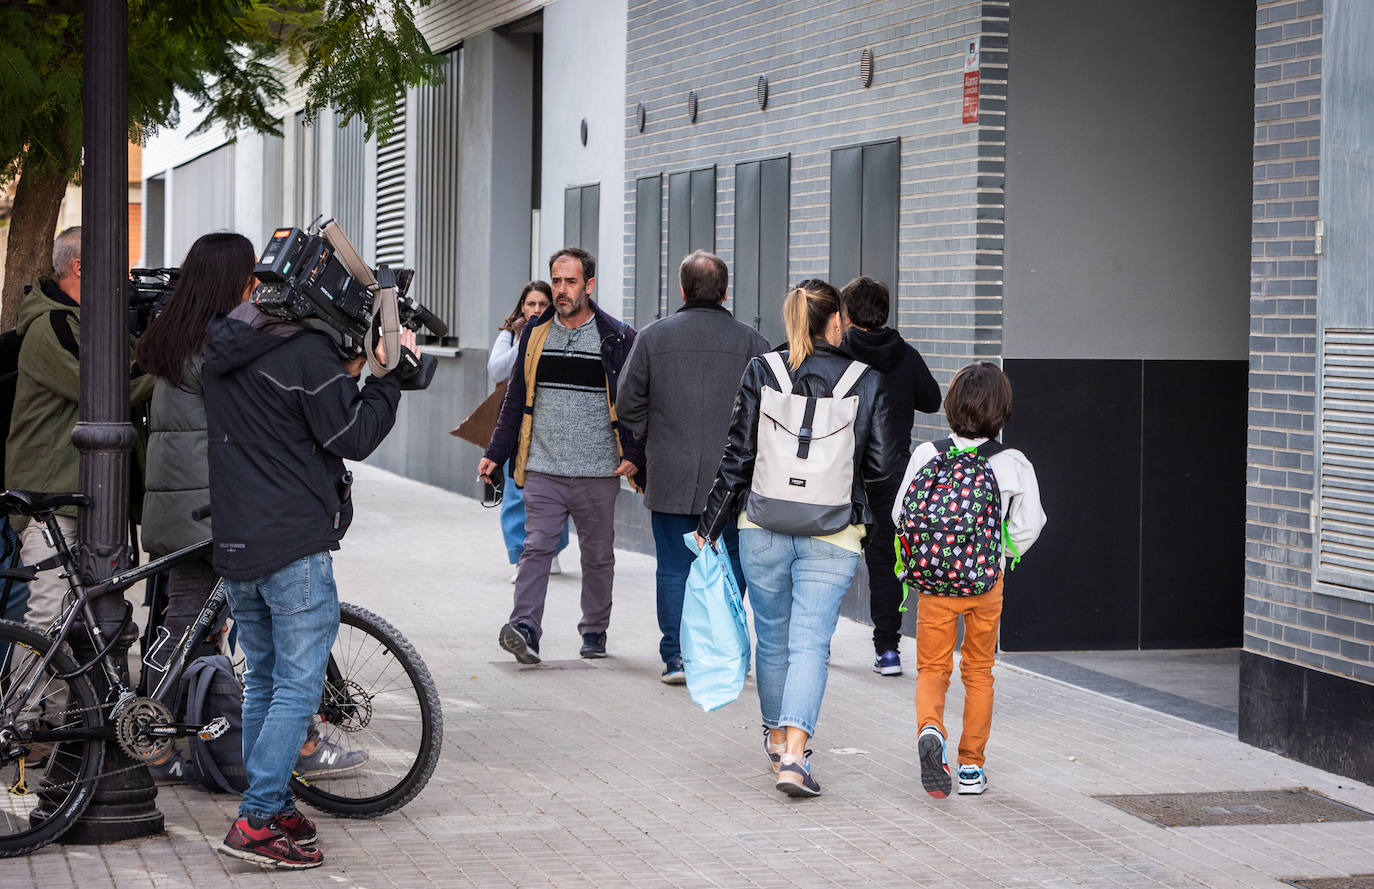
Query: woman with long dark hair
796	582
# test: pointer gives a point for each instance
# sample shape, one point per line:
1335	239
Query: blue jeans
674	561
797	586
286	623
513	522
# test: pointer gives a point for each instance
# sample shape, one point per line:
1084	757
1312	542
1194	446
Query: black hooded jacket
283	413
907	381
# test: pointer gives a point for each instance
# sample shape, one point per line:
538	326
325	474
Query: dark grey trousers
550	500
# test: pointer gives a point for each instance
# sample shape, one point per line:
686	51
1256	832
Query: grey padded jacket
178	474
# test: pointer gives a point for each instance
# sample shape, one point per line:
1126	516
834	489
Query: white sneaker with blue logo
972	779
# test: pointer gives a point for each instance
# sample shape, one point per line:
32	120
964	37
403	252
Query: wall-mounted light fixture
639	116
583	129
866	67
692	106
762	90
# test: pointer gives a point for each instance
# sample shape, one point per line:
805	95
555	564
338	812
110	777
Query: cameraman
282	417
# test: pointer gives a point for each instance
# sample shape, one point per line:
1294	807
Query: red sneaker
299	828
268	846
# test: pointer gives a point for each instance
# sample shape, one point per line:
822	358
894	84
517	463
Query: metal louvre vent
1346	545
391	191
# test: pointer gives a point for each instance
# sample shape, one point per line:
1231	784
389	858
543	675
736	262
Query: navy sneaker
594	645
519	640
930	747
673	672
889	663
795	778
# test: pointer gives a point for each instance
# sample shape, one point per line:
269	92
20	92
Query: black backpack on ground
211	688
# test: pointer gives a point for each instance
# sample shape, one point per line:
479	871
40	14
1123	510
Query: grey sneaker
327	759
175	769
930	747
519	640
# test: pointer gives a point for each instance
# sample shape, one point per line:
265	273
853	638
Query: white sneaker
554	567
972	779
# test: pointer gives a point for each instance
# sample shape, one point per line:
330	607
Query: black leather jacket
817	375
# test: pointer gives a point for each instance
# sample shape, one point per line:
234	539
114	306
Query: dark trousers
674	562
884	591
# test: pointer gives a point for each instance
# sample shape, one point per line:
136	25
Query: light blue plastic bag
714	634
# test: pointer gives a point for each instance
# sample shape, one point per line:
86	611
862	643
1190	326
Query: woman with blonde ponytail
796	583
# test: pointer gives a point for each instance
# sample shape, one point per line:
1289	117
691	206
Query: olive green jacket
39	454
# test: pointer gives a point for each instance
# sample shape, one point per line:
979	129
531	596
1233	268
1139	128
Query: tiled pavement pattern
597	775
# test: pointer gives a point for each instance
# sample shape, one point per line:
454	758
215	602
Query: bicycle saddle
32	503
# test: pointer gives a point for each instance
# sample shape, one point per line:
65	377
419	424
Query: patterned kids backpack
949	535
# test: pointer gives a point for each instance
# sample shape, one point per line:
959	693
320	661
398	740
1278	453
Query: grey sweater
676	394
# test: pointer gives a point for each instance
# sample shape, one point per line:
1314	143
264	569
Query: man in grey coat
676	393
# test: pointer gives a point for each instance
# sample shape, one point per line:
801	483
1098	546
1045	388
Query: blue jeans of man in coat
674	562
287	622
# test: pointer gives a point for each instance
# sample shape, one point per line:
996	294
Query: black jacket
910	386
282	414
817	375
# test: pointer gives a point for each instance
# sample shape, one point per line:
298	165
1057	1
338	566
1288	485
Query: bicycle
376	688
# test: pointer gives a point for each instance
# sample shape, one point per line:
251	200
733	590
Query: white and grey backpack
804	466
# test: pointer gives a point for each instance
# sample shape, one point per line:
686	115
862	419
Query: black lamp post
122	807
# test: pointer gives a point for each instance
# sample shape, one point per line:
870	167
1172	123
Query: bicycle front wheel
379	701
50	755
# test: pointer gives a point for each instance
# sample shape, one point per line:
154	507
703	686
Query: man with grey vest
676	395
559	422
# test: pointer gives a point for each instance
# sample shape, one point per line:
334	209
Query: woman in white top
534	300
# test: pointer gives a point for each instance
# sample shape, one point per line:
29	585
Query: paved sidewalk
594	774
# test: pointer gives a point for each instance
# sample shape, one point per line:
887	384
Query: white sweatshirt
1022	515
502	357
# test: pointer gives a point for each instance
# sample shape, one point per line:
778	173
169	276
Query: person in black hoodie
283	412
910	388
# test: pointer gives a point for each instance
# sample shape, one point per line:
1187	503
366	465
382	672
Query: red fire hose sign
971	80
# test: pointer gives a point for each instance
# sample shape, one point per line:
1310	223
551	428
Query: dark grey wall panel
590	219
703	225
572	217
881	180
438	193
846	212
679	219
1128	179
775	192
748	209
155	222
648	228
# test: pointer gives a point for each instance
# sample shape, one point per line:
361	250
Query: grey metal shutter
648	246
347	207
438	197
155	222
762	196
582	217
307	157
202	199
273	186
865	183
1346	527
391	191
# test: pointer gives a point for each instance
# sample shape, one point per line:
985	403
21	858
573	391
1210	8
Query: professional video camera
316	276
149	290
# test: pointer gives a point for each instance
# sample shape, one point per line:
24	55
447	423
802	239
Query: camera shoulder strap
383	300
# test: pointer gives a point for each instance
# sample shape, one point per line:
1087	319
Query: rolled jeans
550	500
674	562
796	585
937	624
287	621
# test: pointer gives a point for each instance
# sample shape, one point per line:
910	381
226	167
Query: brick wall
1285	618
948	297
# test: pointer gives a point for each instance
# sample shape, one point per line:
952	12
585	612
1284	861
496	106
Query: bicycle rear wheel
45	789
379	698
